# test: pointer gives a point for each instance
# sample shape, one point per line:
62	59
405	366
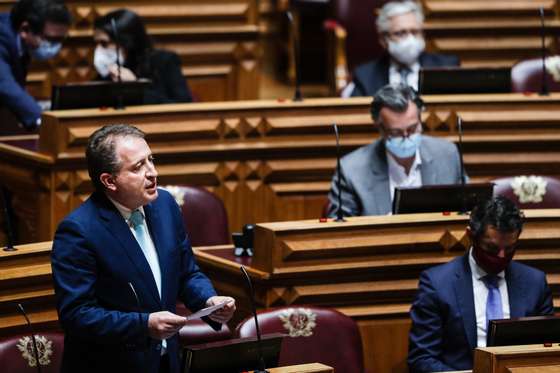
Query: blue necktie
494	301
404	72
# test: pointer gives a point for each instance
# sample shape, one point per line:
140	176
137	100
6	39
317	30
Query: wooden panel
514	359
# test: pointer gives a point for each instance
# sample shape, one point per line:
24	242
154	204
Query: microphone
35	350
295	41
544	82
251	294
120	104
461	164
6	201
339	213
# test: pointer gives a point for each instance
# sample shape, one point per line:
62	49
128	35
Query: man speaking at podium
455	300
120	262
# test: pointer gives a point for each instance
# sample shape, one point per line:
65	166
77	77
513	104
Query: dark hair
396	98
38	12
100	150
131	36
498	212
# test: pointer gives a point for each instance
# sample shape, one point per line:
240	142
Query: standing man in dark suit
33	29
399	26
401	157
121	260
455	300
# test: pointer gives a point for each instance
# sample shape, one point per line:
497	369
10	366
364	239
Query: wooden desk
517	359
303	368
267	160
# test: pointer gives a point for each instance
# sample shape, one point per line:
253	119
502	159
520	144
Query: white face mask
406	50
104	58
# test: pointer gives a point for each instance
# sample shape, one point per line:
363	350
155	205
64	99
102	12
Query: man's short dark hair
498	212
100	150
395	97
38	12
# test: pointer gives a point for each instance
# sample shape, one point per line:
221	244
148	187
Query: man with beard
456	300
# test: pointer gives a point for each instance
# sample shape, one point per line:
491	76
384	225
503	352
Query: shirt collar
478	272
397	171
125	211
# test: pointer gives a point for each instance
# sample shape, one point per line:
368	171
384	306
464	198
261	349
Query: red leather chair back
358	18
530	192
526	76
17	354
314	335
204	215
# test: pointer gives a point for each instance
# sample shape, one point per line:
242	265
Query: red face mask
490	263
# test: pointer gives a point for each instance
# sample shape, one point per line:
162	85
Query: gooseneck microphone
6	211
339	212
544	82
462	166
295	42
33	340
251	294
119	105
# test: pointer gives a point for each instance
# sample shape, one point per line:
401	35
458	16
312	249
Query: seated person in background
138	57
399	26
455	300
34	29
401	157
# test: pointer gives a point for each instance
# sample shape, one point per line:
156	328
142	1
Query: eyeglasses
400	34
495	249
404	133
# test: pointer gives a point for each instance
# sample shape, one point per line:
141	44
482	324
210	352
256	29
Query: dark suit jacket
443	332
365	176
371	76
95	257
13	71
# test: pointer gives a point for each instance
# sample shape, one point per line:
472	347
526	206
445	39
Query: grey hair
396	8
100	150
396	97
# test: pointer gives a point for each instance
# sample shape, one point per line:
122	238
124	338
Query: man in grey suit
401	157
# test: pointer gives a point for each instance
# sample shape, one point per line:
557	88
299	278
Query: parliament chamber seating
17	354
204	215
526	76
314	334
197	331
530	192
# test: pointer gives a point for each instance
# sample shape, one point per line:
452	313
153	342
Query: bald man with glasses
401	157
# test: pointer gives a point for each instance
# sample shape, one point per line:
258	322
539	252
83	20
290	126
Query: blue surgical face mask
403	147
46	50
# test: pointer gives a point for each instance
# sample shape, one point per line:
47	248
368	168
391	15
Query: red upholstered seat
17	353
526	76
204	215
530	192
315	335
198	332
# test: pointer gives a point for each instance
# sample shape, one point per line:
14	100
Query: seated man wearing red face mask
455	300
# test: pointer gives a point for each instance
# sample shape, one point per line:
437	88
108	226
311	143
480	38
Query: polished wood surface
517	359
267	160
303	368
367	268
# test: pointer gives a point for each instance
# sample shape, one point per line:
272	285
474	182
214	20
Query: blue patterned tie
494	301
136	220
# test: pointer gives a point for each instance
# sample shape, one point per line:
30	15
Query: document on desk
206	311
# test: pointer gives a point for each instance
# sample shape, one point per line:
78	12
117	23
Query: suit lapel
516	292
429	170
380	187
465	299
156	232
128	245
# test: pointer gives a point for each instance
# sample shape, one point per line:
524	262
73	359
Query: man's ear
382	41
108	180
24	29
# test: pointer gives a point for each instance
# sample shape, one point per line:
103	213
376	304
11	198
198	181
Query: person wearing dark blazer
399	26
120	262
403	156
138	58
34	29
456	300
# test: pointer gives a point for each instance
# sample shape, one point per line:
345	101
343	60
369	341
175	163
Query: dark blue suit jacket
371	76
13	71
95	257
443	332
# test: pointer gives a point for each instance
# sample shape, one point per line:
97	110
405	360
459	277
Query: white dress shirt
412	78
398	176
480	292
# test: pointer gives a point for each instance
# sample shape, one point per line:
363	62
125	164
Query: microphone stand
339	212
544	83
295	40
463	210
35	349
120	104
251	293
7	220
